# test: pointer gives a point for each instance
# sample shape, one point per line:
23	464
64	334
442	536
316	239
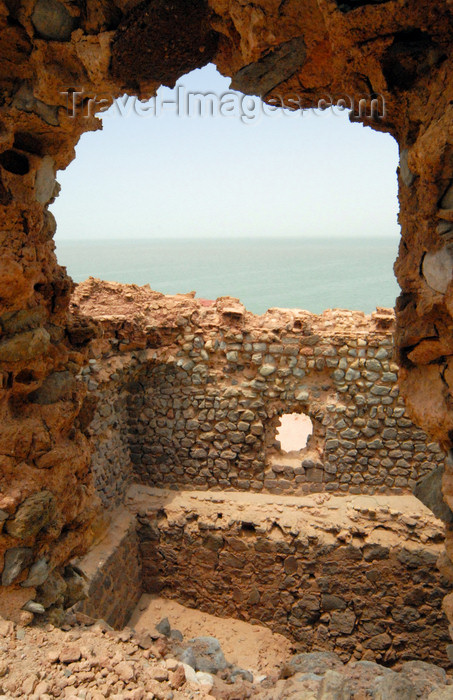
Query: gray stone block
429	491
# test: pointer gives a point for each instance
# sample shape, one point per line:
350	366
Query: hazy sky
303	174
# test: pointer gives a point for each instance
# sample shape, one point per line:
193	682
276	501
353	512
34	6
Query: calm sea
311	274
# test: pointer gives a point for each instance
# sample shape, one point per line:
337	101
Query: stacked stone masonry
111	461
190	395
351	574
112	569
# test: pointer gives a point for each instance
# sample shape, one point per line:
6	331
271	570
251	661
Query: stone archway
55	57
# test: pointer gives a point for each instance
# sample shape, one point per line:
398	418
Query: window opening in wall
210	190
294	432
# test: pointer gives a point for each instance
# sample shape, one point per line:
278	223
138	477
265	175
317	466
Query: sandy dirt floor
251	647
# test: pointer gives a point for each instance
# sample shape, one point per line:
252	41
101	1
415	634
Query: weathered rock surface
33	515
207	655
38	573
317	662
395	688
16	560
429	491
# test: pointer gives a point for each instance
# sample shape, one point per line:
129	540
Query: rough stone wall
108	431
113	570
355	575
292	52
202	412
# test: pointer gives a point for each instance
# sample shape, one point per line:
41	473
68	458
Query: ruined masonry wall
372	595
201	408
108	431
113	570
